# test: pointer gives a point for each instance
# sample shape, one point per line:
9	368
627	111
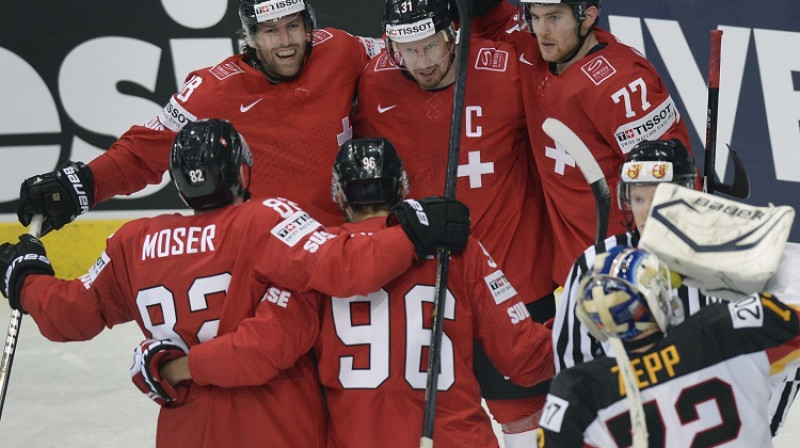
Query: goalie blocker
725	248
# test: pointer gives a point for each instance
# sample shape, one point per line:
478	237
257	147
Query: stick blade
575	147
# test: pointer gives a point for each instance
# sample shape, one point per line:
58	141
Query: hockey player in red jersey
709	394
222	284
409	86
290	92
373	348
606	92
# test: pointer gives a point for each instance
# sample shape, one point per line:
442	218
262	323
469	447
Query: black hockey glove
146	371
433	222
18	261
60	196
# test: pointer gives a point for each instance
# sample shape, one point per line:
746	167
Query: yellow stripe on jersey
73	249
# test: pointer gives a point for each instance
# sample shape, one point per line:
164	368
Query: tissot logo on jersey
410	32
275	9
292	229
650	127
500	287
173	117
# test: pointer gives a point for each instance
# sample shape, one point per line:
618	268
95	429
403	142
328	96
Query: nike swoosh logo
523	60
243	108
384	109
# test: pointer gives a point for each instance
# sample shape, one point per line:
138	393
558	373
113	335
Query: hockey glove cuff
60	196
17	261
433	222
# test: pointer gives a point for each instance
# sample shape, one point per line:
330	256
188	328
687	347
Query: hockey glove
60	196
433	222
19	260
146	374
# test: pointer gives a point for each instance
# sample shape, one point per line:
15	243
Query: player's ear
592	13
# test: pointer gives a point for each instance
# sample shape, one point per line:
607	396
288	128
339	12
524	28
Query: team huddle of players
309	259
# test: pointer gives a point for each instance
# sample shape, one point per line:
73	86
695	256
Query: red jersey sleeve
78	310
284	327
139	158
518	346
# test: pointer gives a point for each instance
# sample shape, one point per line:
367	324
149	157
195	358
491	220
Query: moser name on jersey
275	9
179	241
411	32
651	368
650	127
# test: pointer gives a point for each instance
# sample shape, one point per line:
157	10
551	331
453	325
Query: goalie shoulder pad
725	248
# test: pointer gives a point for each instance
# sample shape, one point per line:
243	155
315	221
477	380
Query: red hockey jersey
612	99
494	177
211	281
294	128
373	353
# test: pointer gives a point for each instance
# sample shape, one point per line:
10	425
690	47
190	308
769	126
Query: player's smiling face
556	30
281	46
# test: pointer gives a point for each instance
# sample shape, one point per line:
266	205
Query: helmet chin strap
581	41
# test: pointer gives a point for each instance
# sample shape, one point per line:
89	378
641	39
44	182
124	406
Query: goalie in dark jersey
692	395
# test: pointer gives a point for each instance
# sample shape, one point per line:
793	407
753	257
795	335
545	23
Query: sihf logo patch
98	266
225	70
499	286
294	228
492	59
598	70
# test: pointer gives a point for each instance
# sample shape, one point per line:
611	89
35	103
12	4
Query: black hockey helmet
205	164
655	161
368	171
253	12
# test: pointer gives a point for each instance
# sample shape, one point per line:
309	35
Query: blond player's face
281	46
428	60
556	30
641	199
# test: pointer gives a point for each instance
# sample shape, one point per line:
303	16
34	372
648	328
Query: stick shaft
14	323
443	255
712	111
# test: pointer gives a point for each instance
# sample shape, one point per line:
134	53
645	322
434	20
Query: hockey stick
576	149
586	162
443	255
740	186
13	329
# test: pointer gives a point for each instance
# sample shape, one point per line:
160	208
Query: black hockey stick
588	165
740	187
591	170
443	255
13	329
